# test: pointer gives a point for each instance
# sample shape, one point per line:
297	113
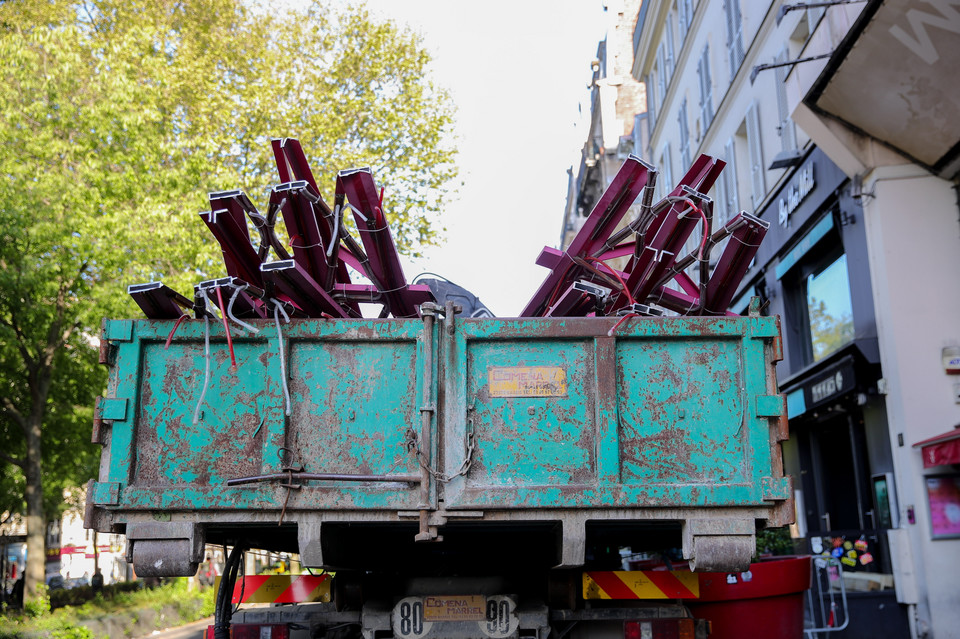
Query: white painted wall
913	232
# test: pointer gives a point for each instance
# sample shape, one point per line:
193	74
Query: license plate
461	616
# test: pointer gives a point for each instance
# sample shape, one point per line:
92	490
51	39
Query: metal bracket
106	493
787	8
789	63
776	488
106	410
719	545
770	405
117	330
165	549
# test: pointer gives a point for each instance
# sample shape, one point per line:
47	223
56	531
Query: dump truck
447	475
491	460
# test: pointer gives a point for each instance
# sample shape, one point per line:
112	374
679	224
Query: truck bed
441	435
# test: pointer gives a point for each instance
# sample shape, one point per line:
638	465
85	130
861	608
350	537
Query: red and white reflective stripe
637	584
280	589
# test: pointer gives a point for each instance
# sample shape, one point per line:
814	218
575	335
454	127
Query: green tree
116	118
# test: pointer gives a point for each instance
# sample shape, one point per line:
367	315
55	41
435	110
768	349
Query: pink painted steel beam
239	256
687	284
361	293
291	161
649	266
159	301
734	262
386	272
660	252
236	203
290	279
600	224
306	239
611	207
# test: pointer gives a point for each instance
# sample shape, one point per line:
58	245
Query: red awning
942	449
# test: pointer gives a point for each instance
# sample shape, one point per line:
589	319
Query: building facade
864	237
615	120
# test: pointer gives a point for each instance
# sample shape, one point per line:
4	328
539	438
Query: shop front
813	272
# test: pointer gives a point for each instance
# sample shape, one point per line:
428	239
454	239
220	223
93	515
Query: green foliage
116	118
40	605
73	632
125	599
775	541
208	602
82	595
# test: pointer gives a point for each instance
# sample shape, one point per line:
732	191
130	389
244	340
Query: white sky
517	71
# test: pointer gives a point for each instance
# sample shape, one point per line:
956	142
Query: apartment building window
813	17
665	183
725	205
706	89
685	13
729	178
668	41
684	135
661	76
637	136
651	104
758	188
785	127
734	34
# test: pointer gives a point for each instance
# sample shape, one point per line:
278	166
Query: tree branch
28	359
57	336
15	415
19	463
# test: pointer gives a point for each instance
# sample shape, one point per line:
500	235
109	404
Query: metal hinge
775	488
106	410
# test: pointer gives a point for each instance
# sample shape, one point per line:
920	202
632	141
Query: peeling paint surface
665	413
353	402
680	411
538	439
227	439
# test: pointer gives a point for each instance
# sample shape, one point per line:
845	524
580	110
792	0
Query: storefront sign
941	450
831	383
827	387
798	189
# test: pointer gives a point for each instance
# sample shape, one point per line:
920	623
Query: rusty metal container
435	425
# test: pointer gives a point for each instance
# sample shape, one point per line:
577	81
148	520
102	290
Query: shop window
829	309
818	310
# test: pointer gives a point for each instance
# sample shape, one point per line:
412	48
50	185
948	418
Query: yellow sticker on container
527	381
455	608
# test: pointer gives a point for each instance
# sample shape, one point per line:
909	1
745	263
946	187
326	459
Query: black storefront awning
829	381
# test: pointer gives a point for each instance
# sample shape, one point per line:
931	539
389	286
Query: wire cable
173	331
277	310
206	372
226	327
250	327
